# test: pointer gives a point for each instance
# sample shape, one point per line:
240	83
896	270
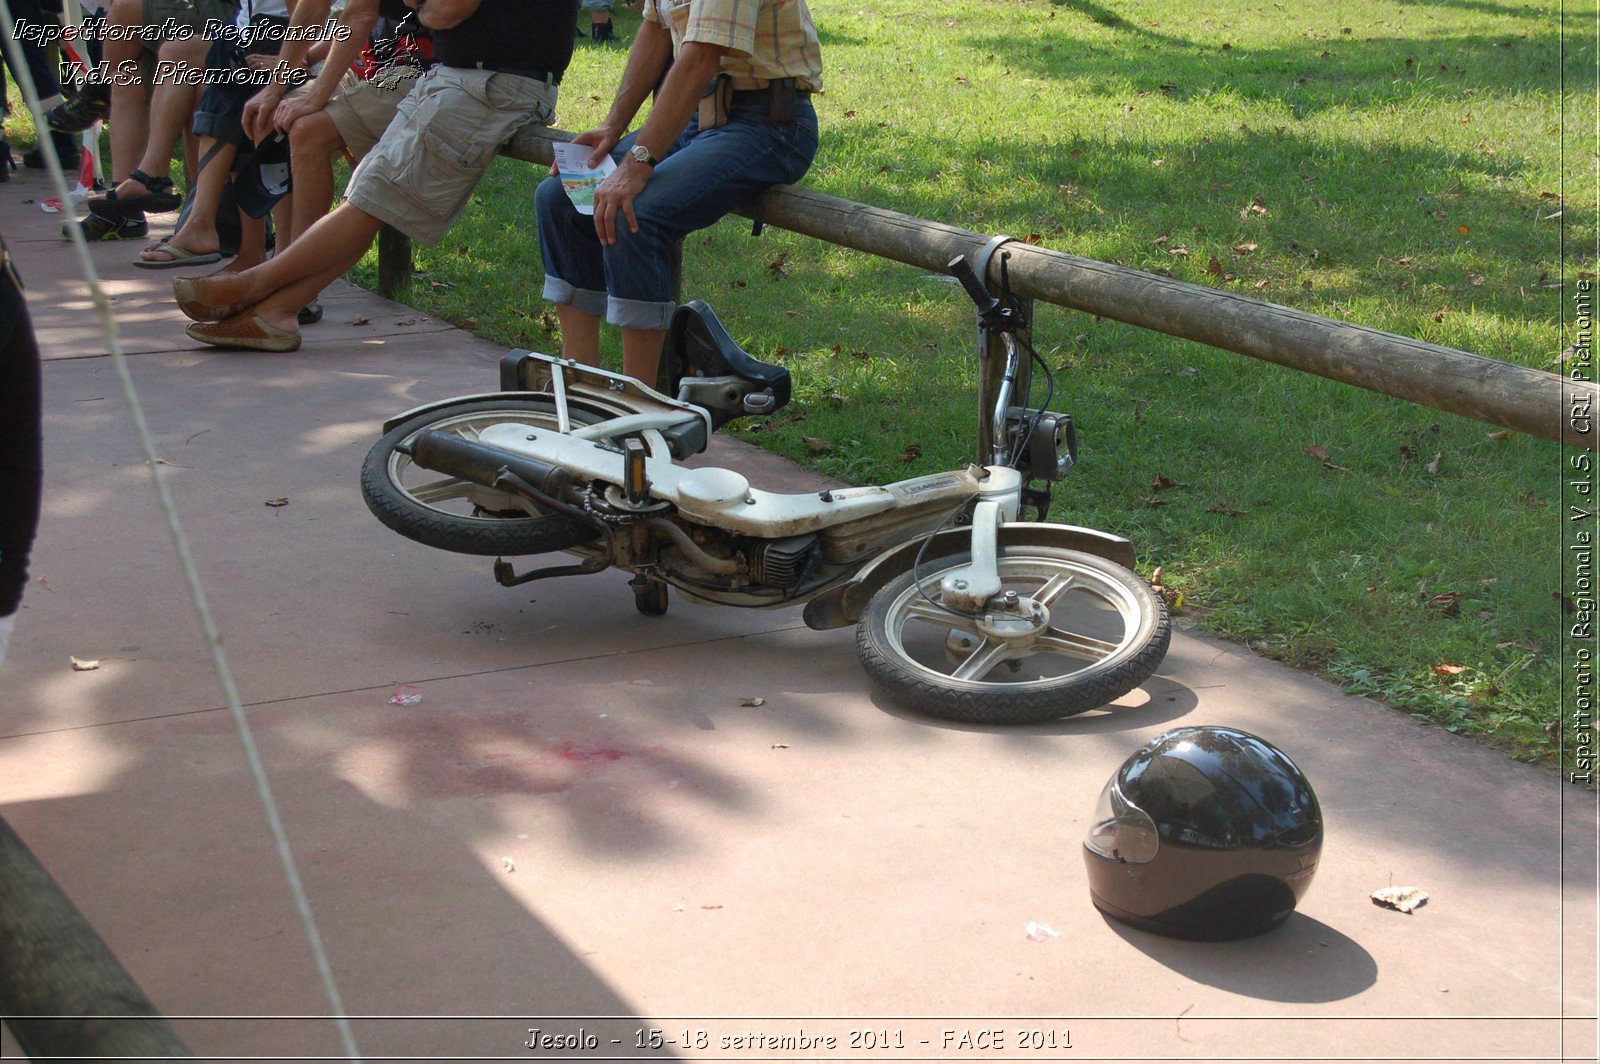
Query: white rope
191	576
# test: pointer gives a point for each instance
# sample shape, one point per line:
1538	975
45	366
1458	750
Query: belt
762	95
553	77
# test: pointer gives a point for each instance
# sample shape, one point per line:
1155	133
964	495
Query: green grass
1406	159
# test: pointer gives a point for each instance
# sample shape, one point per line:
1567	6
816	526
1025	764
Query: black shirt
513	35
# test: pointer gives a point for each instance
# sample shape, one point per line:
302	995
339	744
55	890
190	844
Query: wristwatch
641	154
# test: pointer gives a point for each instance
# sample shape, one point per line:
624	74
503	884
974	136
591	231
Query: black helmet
1204	833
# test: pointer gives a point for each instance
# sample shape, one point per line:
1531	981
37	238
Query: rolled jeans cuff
563	294
639	313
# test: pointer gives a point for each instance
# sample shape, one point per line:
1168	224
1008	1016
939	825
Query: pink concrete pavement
580	819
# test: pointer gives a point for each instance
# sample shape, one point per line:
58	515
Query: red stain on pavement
572	752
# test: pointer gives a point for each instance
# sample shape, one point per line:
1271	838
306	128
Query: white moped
963	610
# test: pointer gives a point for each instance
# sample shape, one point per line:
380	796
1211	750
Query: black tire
1116	609
480	520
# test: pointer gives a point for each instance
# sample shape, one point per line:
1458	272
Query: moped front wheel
455	514
1068	632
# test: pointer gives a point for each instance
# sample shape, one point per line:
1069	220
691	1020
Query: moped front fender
845	604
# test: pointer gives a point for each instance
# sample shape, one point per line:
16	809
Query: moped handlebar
962	270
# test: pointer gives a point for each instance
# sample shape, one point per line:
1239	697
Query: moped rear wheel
454	514
1101	632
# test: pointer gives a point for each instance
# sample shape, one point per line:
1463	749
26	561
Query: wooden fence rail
1537	402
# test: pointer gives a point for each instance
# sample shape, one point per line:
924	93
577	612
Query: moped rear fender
574	402
845	604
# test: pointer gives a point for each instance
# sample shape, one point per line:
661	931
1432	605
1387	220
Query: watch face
641	154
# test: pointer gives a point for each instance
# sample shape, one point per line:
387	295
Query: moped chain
593	503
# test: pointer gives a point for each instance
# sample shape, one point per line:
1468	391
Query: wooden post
57	968
394	261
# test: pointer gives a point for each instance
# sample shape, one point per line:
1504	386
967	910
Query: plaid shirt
766	39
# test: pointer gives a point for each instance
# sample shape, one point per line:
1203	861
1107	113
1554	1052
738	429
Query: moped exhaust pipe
445	453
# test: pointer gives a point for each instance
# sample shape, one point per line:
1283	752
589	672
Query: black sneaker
99	227
310	314
80	110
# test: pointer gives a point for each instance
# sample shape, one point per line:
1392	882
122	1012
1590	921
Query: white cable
180	543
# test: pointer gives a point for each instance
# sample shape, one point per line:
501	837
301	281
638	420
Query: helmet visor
1121	830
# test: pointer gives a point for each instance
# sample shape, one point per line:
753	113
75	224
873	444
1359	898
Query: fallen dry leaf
1148	501
780	746
1163	482
752	701
360	321
912	453
1400	899
277	502
80	665
1316	452
1446	602
1226	511
1433	466
1244	249
817	444
1447	669
1499	436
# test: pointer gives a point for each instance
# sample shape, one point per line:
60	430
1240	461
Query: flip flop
244	331
197	310
179	257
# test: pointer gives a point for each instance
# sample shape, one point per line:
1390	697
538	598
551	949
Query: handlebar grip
963	272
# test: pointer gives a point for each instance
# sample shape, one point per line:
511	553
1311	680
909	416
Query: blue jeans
702	177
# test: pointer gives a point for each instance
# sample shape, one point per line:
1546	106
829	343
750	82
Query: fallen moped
963	610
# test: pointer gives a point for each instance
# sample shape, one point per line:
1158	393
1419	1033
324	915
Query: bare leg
313	140
283	220
170	109
131	127
252	241
641	353
285	283
199	232
580	335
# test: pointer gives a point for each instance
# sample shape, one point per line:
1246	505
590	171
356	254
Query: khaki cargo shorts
193	14
362	110
423	170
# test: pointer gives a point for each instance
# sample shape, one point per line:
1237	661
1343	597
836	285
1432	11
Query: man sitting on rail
498	64
749	68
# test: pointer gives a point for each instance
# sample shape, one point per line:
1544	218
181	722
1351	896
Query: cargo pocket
449	170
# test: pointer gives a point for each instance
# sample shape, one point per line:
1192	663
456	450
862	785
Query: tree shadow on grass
1337	72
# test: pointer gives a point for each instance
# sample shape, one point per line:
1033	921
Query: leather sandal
196	309
244	331
159	198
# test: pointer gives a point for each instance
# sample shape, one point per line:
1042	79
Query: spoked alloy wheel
455	514
1069	632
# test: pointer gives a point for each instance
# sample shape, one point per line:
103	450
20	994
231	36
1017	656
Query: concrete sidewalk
580	819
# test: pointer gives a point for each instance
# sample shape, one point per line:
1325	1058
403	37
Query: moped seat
698	346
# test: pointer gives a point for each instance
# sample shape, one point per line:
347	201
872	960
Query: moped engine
780	562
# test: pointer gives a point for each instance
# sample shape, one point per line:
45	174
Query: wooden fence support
394	261
1512	396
